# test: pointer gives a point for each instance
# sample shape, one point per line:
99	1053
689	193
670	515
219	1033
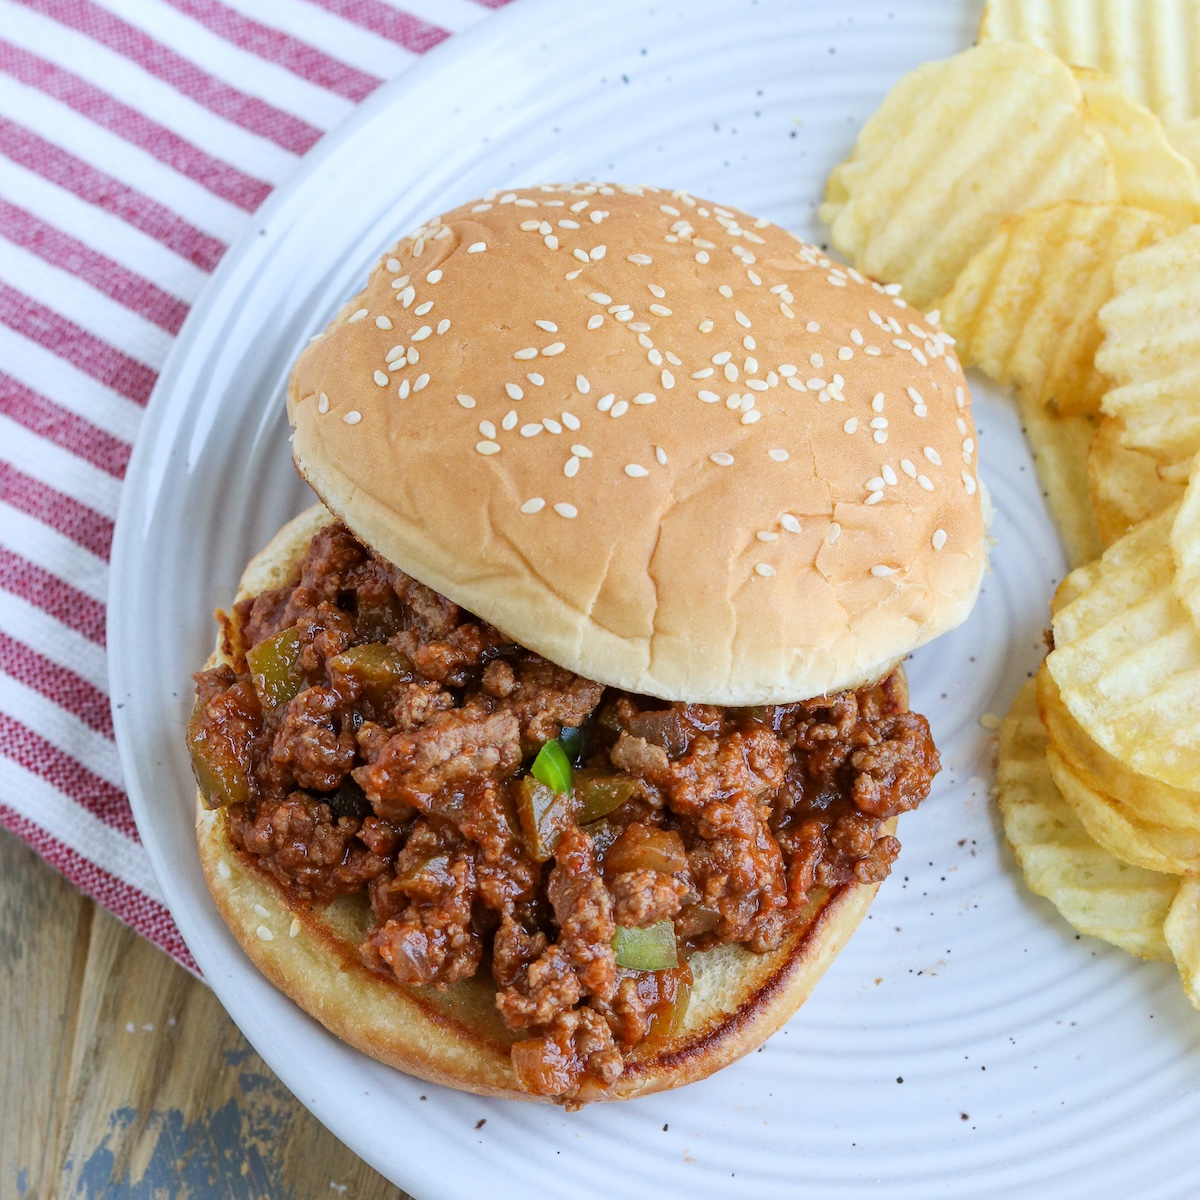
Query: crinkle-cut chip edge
1057	857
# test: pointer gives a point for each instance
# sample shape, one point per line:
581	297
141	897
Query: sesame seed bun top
666	445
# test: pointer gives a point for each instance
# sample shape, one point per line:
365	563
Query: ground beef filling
372	736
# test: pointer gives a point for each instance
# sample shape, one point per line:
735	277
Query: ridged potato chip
1097	893
1151	173
956	147
1024	308
1185	137
1151	47
1151	351
1182	933
1060	453
1185	546
1113	827
1127	658
1125	485
1145	799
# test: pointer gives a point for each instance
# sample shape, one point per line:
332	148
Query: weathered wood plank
134	1084
44	925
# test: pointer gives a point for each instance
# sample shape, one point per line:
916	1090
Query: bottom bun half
456	1036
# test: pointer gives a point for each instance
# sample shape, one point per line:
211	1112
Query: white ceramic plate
966	1044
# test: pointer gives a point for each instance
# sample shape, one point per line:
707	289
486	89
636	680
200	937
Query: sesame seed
383	322
655	290
877	403
845	353
816	360
874	498
581	255
795	383
548	326
655	356
481	208
749	418
605	402
636	471
835	532
487	429
403	390
668	380
962	425
959	397
571	467
705	326
908	468
551	241
764	569
420	382
422	309
443	325
708	397
765	535
582	451
381	378
660	310
528	352
722	458
778	456
486	448
920	357
477	247
879	423
530	430
833	279
599	298
641	329
882	572
597	253
397	351
551	350
434	276
393	265
939	538
356	316
265	934
925	482
889	475
566	510
874	485
550	425
758	385
533	505
568	225
536	379
407	296
514	392
754	278
510	420
702	257
968	444
422	333
294	927
880	436
790	523
851	425
731	372
413	356
856	337
620	408
322	403
901	344
595	321
661	455
816	384
968	483
640	260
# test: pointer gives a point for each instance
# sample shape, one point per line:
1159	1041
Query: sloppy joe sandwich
559	750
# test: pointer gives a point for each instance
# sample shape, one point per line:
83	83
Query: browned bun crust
457	1037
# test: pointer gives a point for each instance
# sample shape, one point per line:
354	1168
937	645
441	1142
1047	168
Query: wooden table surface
121	1077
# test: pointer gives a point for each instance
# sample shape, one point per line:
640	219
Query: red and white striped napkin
136	138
